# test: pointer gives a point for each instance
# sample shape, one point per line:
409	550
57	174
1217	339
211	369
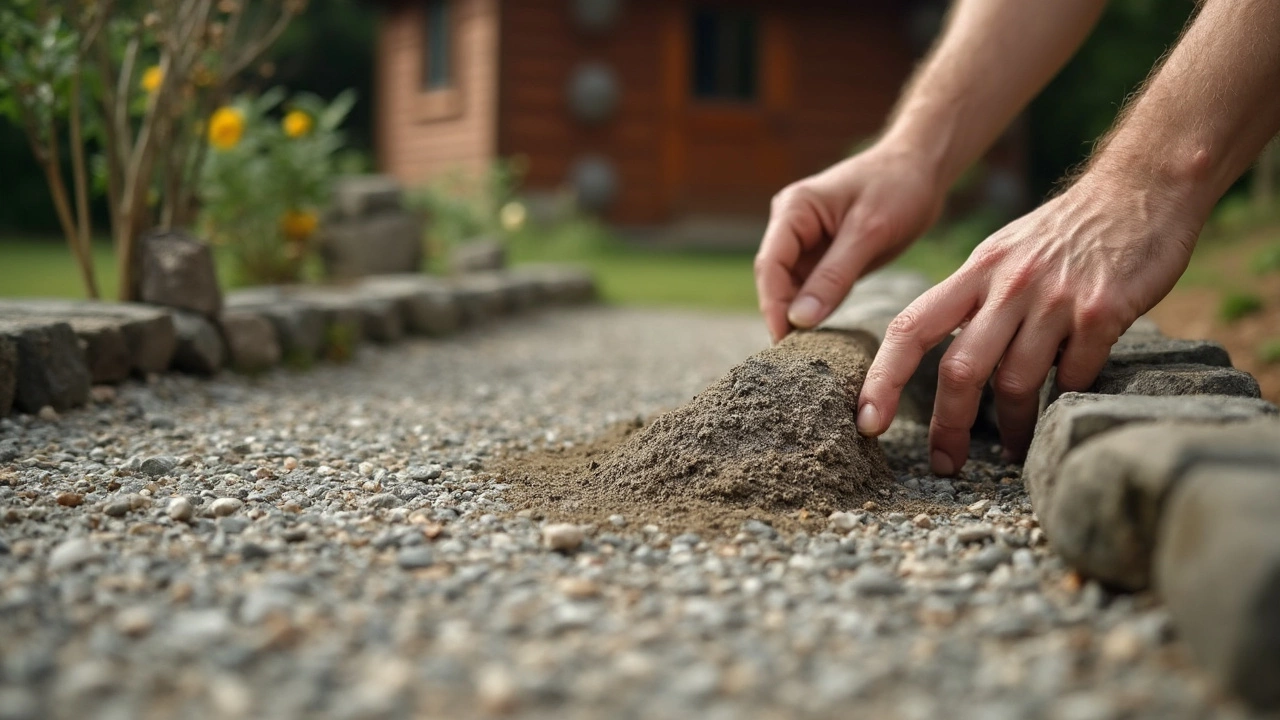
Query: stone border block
201	349
1145	349
1076	417
148	332
8	374
1217	568
1171	379
1110	492
426	305
301	330
559	284
252	343
51	369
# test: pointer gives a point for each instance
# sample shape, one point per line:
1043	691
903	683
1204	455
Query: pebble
135	621
70	499
158	466
72	553
844	521
47	414
975	534
415	558
180	509
562	537
223	507
989	558
576	588
118	507
923	521
873	580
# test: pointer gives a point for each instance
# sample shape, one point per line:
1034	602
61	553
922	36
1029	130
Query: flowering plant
266	178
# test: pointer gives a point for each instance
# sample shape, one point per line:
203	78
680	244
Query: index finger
775	286
915	331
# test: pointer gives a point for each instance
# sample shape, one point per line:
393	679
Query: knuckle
1015	385
788	197
827	277
905	325
959	371
875	225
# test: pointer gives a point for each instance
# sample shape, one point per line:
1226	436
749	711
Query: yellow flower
298	225
296	124
226	127
512	216
152	77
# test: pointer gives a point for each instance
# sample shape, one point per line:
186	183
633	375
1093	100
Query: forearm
993	57
1206	113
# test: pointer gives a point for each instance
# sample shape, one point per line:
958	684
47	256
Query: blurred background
643	139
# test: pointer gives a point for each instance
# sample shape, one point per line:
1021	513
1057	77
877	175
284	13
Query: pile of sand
773	437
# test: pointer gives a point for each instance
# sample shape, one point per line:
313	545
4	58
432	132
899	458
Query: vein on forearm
992	58
1207	111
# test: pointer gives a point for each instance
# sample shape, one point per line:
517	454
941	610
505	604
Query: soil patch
774	439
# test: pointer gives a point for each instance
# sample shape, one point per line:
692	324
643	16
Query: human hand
1057	286
828	230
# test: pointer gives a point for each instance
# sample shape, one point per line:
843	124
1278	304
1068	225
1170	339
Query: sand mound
774	436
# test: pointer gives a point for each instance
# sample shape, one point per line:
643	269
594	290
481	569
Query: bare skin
1059	285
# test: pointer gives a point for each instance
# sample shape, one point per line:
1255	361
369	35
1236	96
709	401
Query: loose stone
223	507
70	499
180	509
562	537
415	558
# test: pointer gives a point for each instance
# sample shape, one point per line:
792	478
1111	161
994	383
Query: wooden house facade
653	110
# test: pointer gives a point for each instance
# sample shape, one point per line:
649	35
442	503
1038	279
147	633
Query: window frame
438	101
754	97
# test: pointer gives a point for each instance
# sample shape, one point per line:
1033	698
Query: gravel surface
330	544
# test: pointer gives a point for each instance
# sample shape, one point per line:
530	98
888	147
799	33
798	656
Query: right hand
827	231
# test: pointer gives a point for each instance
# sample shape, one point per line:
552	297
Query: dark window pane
439	50
725	55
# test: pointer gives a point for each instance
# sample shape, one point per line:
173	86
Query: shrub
268	176
1269	352
1239	305
460	207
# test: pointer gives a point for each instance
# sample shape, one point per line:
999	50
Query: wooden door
727	92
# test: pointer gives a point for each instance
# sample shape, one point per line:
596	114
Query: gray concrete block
478	255
8	374
1110	491
178	271
385	243
481	297
1143	349
1077	417
374	318
201	349
1217	568
51	369
560	284
148	332
252	343
301	329
426	305
1173	379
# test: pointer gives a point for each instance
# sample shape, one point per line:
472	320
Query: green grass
1238	305
39	267
1269	352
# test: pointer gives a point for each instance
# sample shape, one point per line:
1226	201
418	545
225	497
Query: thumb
856	243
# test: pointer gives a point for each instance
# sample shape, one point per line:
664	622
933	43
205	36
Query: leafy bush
461	207
1239	305
1268	261
266	179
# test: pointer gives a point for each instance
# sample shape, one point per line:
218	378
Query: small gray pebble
415	558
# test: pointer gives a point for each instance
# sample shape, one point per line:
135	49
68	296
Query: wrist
1179	178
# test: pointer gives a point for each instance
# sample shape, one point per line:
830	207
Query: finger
1082	360
1019	378
780	251
912	333
962	376
854	246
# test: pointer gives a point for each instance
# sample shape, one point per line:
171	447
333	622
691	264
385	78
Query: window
726	55
437	73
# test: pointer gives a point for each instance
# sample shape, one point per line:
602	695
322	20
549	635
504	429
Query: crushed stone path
330	544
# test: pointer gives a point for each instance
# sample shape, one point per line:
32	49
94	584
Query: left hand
1057	286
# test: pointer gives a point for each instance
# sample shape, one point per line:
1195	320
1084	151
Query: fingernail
941	464
869	420
805	311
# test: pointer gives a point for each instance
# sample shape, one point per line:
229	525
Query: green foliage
1238	305
460	207
262	196
1269	352
1268	261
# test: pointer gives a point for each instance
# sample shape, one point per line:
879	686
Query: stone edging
52	352
1166	474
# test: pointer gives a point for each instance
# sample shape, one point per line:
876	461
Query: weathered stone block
201	349
481	297
178	271
1106	508
426	305
560	284
51	369
1174	379
8	374
1145	349
301	329
1218	569
252	343
479	255
1076	417
147	332
368	232
371	317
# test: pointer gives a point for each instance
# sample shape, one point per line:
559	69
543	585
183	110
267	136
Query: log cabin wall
828	74
426	129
